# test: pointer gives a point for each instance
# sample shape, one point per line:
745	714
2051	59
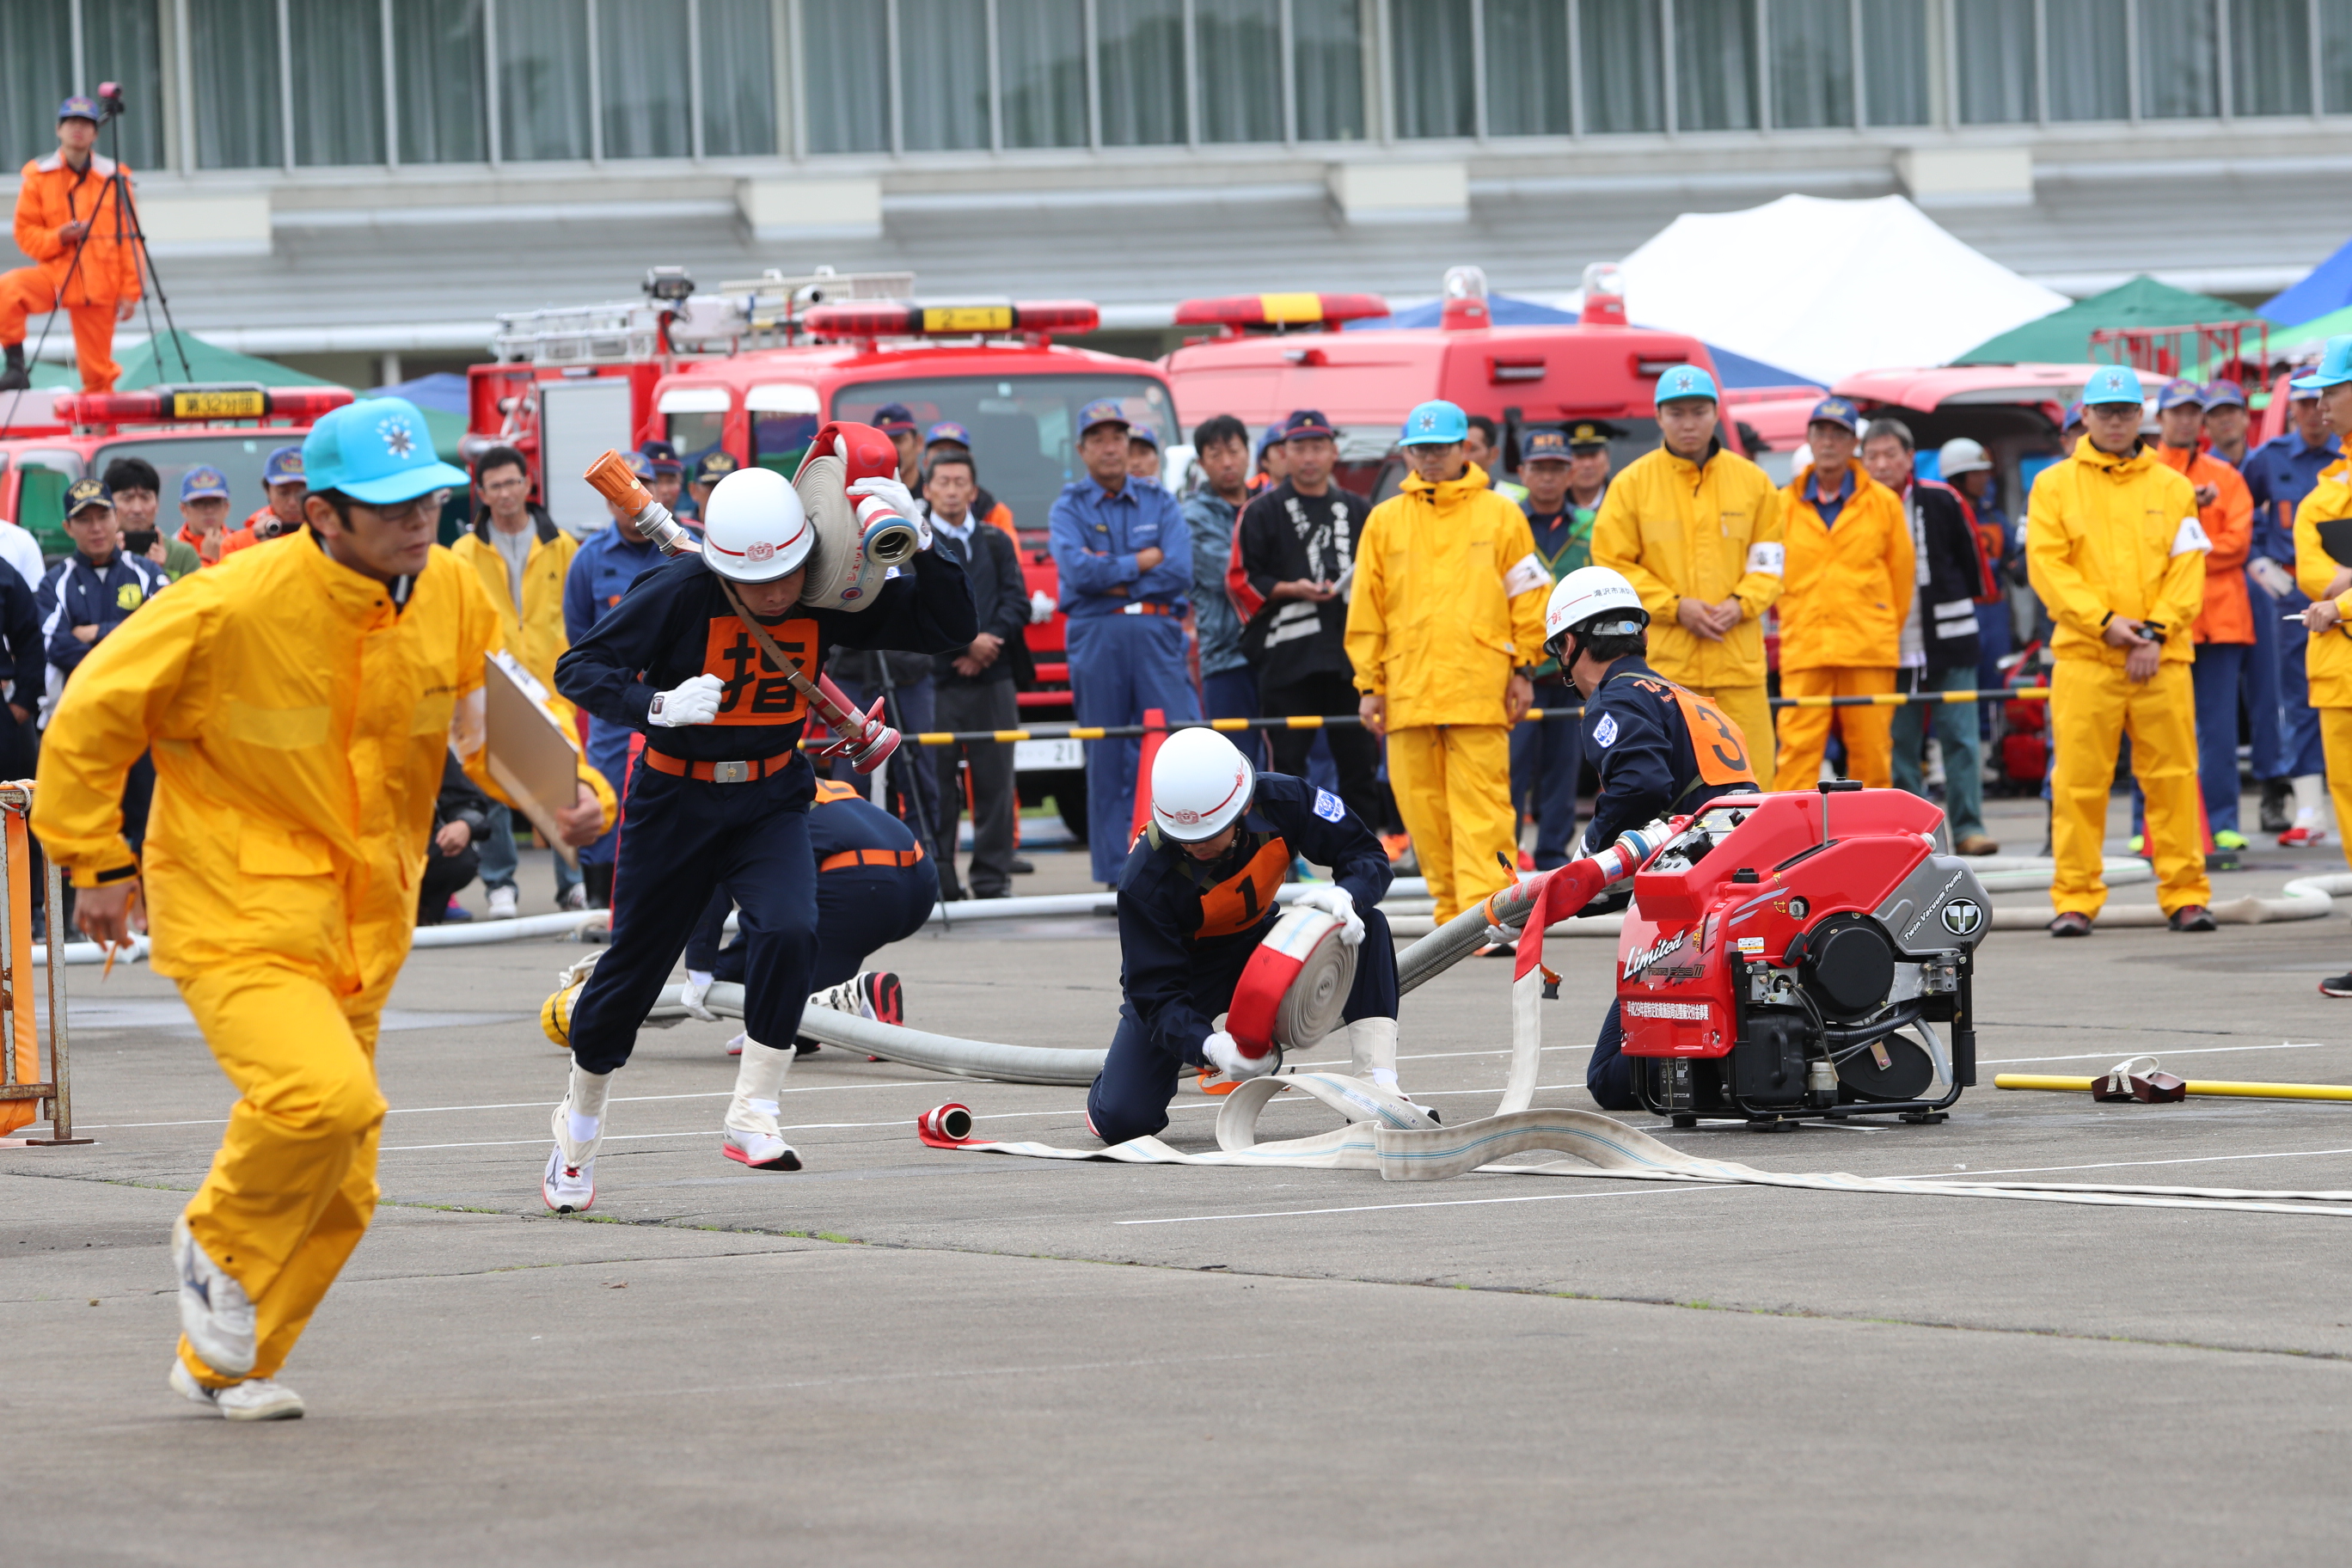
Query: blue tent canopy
2327	287
443	391
1506	310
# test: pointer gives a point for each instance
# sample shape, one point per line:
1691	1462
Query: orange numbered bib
1721	749
1245	897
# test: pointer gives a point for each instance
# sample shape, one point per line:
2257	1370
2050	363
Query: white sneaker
761	1150
255	1399
568	1189
214	1311
735	1046
576	897
502	903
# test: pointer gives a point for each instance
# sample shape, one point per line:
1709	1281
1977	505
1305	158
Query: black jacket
675	623
1947	606
1638	738
460	800
1278	539
27	666
1000	597
1185	929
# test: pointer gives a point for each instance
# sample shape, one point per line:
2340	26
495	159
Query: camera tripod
127	228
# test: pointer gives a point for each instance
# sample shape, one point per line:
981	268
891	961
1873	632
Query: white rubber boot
2310	811
752	1135
1372	1050
570	1183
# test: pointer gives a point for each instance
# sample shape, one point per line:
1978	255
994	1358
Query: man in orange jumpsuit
2225	627
71	221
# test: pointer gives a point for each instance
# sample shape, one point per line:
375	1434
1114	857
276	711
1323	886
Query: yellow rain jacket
2329	661
2109	536
1677	529
1449	600
1849	586
534	629
299	725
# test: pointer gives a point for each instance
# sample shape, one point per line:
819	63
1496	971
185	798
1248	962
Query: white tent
1828	288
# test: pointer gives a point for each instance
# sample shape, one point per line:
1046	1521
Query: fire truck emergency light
1279	311
236	401
896	318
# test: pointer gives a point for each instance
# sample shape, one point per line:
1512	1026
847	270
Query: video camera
110	100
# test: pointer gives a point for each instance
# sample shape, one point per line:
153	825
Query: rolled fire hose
1294	985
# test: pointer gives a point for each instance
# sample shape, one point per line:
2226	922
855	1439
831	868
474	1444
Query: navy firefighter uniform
1186	929
601	572
1659	750
725	802
874	887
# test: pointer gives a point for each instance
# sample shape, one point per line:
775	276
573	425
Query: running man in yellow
2327	581
299	701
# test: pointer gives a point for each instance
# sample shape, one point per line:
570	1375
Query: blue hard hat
1104	411
2180	395
376	451
80	106
2113	383
204	483
2334	367
1687	380
2225	393
284	467
1435	424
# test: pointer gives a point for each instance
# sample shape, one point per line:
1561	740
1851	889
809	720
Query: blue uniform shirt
601	572
2280	473
1096	537
1640	747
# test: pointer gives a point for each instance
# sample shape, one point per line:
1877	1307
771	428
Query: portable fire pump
1802	955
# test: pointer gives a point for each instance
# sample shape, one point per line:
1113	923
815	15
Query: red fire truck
758	367
1281	351
53	438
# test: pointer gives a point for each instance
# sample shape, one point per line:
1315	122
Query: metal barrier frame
56	1090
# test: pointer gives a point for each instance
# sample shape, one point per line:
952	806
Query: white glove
1224	1054
690	996
1340	903
1041	606
696	702
1502	936
883	494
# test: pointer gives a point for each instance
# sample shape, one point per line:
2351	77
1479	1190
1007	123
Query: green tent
205	361
2063	337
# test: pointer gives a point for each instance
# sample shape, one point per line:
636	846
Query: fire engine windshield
1023	428
238	454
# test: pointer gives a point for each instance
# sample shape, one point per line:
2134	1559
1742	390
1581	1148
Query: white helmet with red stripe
754	528
1201	784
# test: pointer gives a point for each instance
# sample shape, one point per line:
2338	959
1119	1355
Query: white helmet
1962	457
754	528
1588	593
1201	784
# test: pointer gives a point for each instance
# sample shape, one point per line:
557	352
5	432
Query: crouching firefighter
1196	898
694	654
1658	749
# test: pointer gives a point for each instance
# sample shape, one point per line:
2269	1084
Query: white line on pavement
2169	1050
1435	1203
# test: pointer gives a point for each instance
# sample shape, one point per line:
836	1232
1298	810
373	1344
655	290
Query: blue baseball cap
662	456
2113	383
638	464
713	467
1828	411
947	430
2225	394
1590	435
1308	423
1435	424
1543	446
1145	433
376	451
80	106
284	467
2072	417
2334	367
204	483
1687	380
2180	395
1103	411
88	493
895	420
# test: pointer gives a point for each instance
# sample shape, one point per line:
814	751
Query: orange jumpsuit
54	194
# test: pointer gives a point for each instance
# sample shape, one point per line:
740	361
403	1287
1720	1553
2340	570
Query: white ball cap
1201	784
1587	592
1961	456
754	528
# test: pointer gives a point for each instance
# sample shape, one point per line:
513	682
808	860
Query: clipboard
525	751
2336	538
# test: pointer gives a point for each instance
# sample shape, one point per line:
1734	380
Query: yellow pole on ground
2232	1090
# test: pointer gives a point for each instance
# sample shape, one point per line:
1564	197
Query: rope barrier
1336	720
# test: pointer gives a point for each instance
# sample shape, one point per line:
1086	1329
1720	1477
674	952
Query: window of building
645	73
1327	57
2335	55
337	56
1237	54
1434	51
1895	62
438	83
848	78
35	74
2179	61
544	79
1623	46
942	75
119	43
1993	44
2089	63
1527	81
1715	65
236	127
2270	57
1812	63
1141	52
1041	63
738	79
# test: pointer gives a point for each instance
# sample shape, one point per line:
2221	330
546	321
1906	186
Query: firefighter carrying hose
694	655
1659	750
1196	898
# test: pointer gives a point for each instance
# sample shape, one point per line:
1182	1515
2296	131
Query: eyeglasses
407	514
